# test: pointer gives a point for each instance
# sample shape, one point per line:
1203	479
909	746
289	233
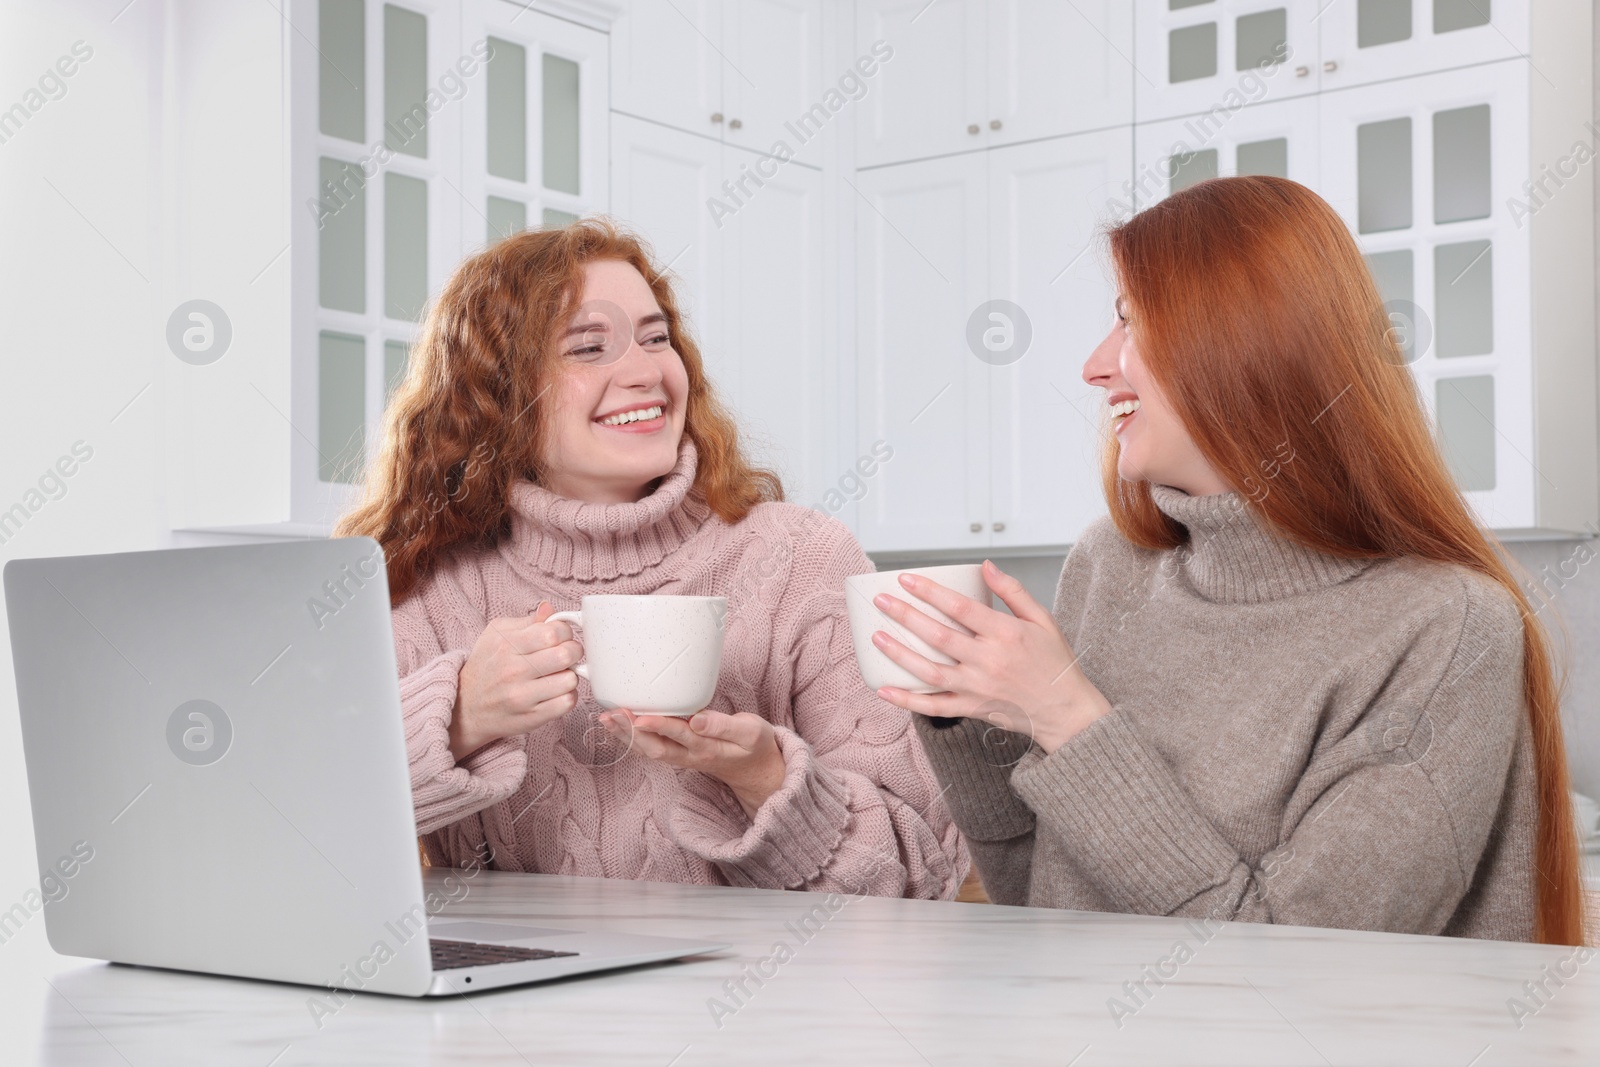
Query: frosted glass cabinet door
1378	40
1195	56
1057	68
1046	204
922	270
666	64
930	97
772	85
1425	179
1279	138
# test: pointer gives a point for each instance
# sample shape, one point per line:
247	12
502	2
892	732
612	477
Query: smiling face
616	409
1153	444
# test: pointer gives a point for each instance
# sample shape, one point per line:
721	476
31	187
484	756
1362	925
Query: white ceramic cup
877	669
654	655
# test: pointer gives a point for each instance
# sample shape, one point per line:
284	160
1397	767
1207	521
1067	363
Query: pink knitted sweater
859	810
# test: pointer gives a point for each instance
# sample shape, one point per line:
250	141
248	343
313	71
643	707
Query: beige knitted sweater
1293	738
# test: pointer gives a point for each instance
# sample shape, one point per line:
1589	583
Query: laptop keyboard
454	955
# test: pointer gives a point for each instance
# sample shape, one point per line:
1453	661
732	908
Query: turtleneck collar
1233	557
572	539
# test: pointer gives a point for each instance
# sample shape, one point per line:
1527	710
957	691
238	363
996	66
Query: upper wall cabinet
747	73
969	74
1196	56
1380	40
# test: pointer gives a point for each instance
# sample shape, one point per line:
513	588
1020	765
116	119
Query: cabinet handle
977	527
973	129
994	124
1331	65
998	527
716	116
735	124
1301	72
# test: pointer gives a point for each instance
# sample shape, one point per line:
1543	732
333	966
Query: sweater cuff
973	761
1127	823
796	830
442	790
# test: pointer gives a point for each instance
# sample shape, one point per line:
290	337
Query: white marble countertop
882	982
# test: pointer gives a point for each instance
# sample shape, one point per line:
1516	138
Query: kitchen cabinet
1194	56
969	75
1370	41
1279	137
751	283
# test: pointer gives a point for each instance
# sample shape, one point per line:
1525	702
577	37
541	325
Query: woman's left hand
741	751
1014	671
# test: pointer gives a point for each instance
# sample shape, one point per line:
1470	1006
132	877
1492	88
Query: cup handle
573	618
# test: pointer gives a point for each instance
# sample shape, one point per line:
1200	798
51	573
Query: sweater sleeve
1377	836
443	791
859	810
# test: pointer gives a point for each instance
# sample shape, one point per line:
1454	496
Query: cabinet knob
994	124
735	124
977	527
998	527
1301	72
973	129
716	116
1331	65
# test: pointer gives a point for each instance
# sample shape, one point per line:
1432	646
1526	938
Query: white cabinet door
1046	206
922	261
1276	138
772	79
929	97
1057	68
1426	180
1198	57
661	180
1362	43
772	370
668	65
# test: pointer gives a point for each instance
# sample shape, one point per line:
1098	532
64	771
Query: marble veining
865	981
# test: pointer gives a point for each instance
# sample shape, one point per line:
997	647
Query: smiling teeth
632	416
1125	407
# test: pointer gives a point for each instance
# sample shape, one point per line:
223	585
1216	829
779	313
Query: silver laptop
218	773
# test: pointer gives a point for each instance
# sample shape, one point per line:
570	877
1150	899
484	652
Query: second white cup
877	669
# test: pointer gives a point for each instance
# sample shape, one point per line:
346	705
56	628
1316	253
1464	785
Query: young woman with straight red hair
557	436
1288	679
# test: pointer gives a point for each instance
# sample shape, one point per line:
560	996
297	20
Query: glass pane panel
506	217
1395	276
1261	39
1383	175
405	80
1382	22
560	124
1461	164
342	69
341	406
508	110
1459	14
1265	157
1465	409
1191	167
342	242
1192	52
554	220
1463	282
405	246
396	354
1179	5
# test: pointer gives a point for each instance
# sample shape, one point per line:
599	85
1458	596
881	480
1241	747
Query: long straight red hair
1256	314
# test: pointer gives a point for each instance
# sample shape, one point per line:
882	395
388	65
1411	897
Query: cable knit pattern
1293	738
858	810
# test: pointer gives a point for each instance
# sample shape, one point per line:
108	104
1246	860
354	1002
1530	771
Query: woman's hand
517	678
741	751
1018	672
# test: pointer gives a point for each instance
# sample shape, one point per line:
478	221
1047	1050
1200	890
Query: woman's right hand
517	678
